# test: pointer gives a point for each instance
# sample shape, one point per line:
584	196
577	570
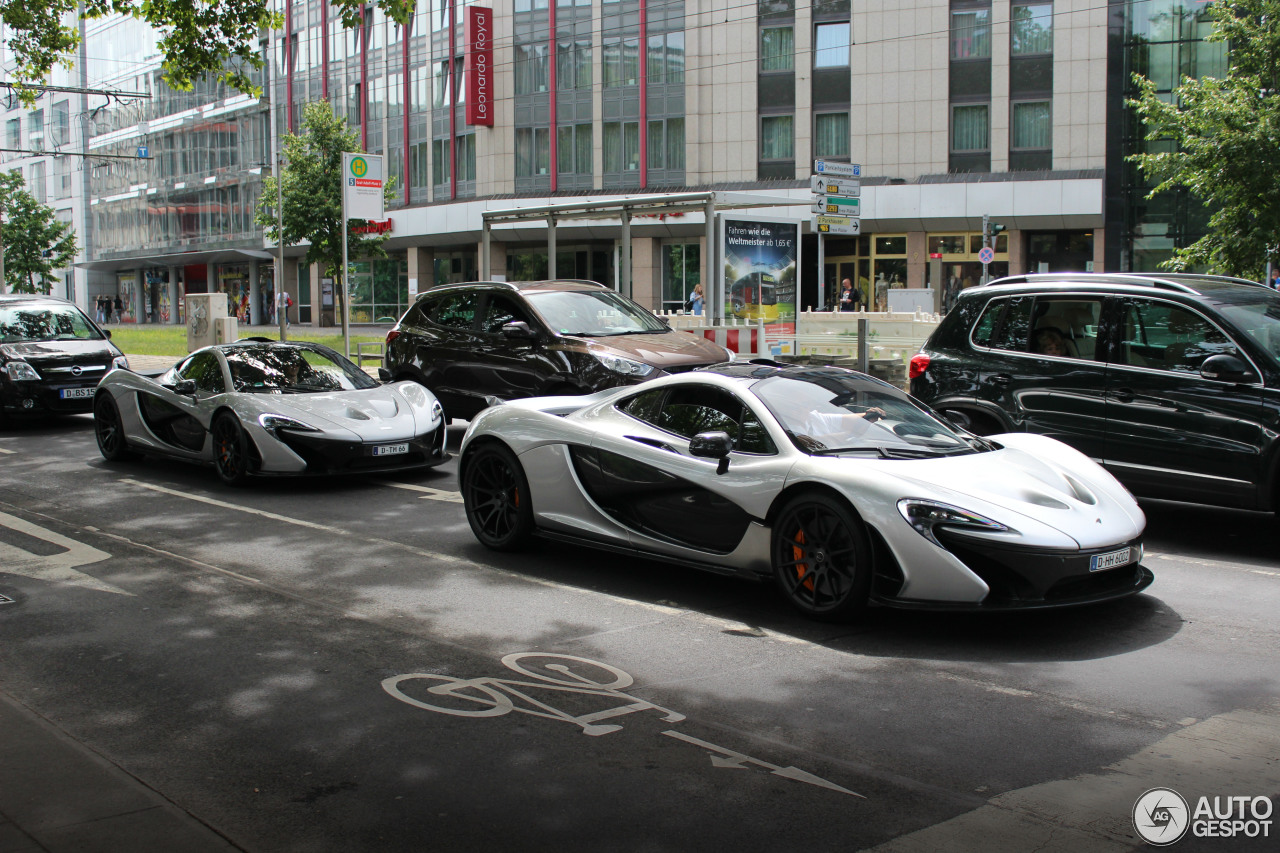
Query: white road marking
300	522
2	450
430	493
1232	753
58	568
722	757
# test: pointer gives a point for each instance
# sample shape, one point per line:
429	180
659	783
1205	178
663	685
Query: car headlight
437	410
925	515
120	362
20	371
271	423
626	366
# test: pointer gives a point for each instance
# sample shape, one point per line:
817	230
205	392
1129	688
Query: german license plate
75	393
390	449
1110	560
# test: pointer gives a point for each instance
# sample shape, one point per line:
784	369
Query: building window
777	141
831	45
440	161
681	272
621	61
675	144
831	135
61	123
467	157
441	98
533	152
573	150
37	184
666	58
971	34
657	145
573	65
1031	29
532	68
970	130
418	171
1032	125
621	146
13	132
777	49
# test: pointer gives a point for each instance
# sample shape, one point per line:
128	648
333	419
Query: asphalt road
337	665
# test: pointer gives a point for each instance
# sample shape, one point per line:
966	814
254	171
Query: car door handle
1123	395
653	442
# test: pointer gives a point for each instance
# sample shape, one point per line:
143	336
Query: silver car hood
367	411
1034	485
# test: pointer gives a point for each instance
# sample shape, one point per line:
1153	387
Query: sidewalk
59	796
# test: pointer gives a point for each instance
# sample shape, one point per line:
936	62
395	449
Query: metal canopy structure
624	209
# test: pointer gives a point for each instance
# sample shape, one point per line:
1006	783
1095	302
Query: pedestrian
848	300
696	300
119	309
98	316
1274	283
283	303
106	309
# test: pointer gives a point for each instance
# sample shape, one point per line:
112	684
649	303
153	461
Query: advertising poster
127	292
761	258
234	281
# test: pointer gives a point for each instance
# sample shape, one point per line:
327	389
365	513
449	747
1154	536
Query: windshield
1258	317
826	413
29	323
276	369
594	313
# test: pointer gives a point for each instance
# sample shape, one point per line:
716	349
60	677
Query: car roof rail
564	281
1163	281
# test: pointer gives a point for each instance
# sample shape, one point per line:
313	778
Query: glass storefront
960	266
874	263
379	290
681	273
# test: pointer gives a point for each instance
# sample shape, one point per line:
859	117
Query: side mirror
384	375
107	332
518	330
1227	368
185	387
713	445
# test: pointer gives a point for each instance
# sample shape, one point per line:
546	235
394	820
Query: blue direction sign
143	151
837	170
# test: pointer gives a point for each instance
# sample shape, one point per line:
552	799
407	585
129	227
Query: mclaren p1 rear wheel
230	449
821	557
108	429
495	494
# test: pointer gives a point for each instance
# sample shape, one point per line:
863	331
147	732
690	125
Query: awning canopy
623	209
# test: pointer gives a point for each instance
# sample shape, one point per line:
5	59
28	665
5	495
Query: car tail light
392	335
919	364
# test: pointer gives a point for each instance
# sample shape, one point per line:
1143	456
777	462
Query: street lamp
282	302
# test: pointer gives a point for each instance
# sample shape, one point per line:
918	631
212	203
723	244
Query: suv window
1074	319
1014	329
456	310
502	309
689	410
1169	337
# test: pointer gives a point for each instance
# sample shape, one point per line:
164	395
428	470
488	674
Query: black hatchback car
1171	381
51	357
476	342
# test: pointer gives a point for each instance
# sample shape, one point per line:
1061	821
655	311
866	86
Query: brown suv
482	341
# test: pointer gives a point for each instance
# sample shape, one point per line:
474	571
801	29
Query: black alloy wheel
821	557
108	429
495	494
230	449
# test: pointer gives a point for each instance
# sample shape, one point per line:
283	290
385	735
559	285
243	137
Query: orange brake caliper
798	554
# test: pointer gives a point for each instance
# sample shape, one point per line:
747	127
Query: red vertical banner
478	65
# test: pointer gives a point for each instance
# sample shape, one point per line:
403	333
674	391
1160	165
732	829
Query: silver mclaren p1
259	407
838	485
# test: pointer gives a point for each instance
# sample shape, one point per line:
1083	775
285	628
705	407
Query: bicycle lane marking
498	696
58	563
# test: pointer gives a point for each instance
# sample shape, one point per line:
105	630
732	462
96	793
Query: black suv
477	342
51	357
1171	381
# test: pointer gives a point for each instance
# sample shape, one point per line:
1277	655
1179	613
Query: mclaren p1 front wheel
821	557
495	494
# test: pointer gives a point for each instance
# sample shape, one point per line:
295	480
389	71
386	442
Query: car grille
326	456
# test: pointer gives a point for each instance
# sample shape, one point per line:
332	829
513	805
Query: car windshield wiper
882	452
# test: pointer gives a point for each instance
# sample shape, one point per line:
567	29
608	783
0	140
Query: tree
35	243
1219	138
198	37
312	190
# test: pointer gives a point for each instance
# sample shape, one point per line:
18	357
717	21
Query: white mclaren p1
261	407
838	485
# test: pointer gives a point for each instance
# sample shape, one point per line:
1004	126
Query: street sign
837	205
143	152
362	186
840	225
837	170
835	186
986	254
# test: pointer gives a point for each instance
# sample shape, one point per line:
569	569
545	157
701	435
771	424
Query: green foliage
35	242
1219	139
312	188
198	36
